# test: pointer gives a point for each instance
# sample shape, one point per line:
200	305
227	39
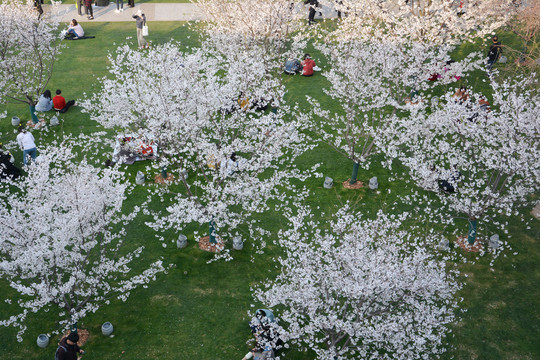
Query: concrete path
153	12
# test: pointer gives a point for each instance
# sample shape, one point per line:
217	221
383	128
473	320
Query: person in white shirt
27	144
75	30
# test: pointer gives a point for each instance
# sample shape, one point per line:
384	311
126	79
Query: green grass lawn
198	310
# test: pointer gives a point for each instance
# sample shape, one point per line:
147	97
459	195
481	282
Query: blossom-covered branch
62	230
360	289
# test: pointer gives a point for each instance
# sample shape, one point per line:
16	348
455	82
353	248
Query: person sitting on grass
450	181
45	102
266	337
60	103
75	30
462	95
292	66
308	64
7	169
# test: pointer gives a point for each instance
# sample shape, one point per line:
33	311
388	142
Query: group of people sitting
462	97
263	327
45	103
306	68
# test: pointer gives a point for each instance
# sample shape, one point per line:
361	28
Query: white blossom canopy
62	228
360	289
28	49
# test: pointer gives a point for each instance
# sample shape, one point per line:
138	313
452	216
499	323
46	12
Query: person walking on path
494	53
89	10
79	5
313	4
131	3
27	144
141	21
119	6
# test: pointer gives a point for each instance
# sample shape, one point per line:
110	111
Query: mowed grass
199	310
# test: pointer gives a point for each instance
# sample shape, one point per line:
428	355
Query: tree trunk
35	119
354	173
212	232
471	236
74	327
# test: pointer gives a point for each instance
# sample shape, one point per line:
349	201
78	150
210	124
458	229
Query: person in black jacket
313	4
494	53
7	169
68	348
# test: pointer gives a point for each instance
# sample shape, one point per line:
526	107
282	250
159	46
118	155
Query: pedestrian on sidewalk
89	10
131	3
141	21
39	9
313	4
119	6
79	5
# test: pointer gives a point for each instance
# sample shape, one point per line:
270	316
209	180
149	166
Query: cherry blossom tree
428	21
202	107
527	27
28	50
62	230
270	25
488	157
375	82
361	289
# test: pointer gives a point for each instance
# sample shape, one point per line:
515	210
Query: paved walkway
153	12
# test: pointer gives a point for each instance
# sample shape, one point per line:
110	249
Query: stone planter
373	183
15	121
494	241
107	328
139	179
328	183
444	244
42	340
181	242
238	244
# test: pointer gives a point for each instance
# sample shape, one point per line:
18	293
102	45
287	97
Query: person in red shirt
308	64
59	102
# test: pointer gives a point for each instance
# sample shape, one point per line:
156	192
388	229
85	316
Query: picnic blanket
79	38
134	147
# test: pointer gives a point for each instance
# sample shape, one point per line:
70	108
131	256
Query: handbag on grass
145	30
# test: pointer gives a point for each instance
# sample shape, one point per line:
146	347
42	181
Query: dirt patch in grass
355	186
465	246
206	245
496	305
165	299
207	291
